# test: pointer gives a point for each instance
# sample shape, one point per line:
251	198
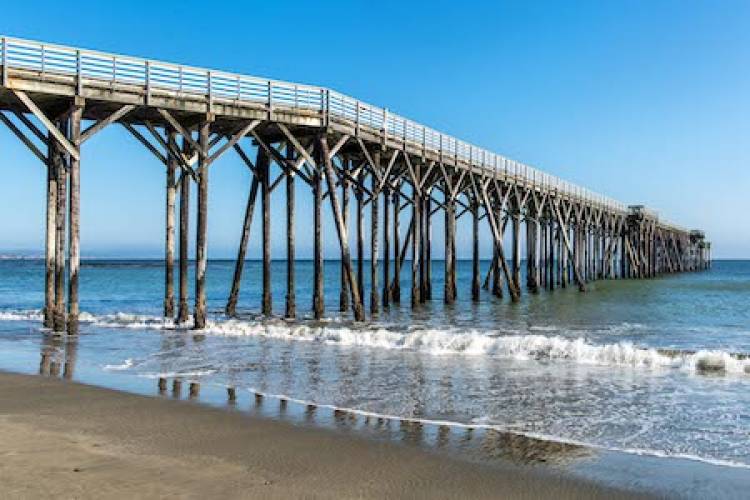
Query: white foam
20	315
441	342
125	365
191	374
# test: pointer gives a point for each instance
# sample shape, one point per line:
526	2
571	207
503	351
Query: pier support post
426	268
416	238
318	291
475	280
551	258
344	292
290	309
231	308
531	255
60	226
449	295
53	167
545	254
516	234
359	194
74	221
264	172
396	286
386	247
564	267
182	310
201	246
169	230
374	240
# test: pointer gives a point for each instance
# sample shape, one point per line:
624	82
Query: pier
353	157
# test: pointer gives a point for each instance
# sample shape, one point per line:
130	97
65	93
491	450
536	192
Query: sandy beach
71	440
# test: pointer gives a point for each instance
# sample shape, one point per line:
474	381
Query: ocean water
651	367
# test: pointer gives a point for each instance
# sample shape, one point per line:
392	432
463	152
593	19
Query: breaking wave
442	342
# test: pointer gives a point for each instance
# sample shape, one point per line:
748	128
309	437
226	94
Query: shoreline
88	441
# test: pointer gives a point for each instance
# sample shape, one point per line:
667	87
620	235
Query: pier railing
49	59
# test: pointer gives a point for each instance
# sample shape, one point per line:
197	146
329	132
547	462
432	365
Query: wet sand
76	441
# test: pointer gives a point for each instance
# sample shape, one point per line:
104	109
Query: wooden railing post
5	62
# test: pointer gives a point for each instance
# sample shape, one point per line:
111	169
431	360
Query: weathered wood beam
145	142
233	140
59	136
31	126
18	133
101	124
200	148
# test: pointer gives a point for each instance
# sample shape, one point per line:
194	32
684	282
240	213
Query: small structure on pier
55	98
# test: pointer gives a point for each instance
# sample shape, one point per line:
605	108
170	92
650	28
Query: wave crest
442	342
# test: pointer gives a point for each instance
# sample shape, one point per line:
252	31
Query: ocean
656	368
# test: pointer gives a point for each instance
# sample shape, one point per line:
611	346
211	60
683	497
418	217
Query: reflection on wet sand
474	443
526	450
58	353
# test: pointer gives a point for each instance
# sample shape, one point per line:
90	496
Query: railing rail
50	59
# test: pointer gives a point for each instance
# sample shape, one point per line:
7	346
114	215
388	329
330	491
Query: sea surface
654	368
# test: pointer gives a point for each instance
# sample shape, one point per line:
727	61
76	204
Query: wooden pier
55	98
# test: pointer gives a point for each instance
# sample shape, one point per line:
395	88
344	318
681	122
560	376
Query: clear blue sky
647	102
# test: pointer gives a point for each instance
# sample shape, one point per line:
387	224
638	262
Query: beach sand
69	440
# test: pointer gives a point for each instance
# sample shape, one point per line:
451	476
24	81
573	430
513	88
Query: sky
647	102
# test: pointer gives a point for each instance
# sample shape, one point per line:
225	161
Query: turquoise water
651	367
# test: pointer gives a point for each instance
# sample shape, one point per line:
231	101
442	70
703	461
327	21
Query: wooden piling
53	164
416	238
359	194
182	310
544	253
290	309
531	255
318	292
475	280
551	259
395	289
426	268
516	251
374	220
231	308
264	172
59	323
74	223
201	246
450	224
386	248
344	292
169	229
